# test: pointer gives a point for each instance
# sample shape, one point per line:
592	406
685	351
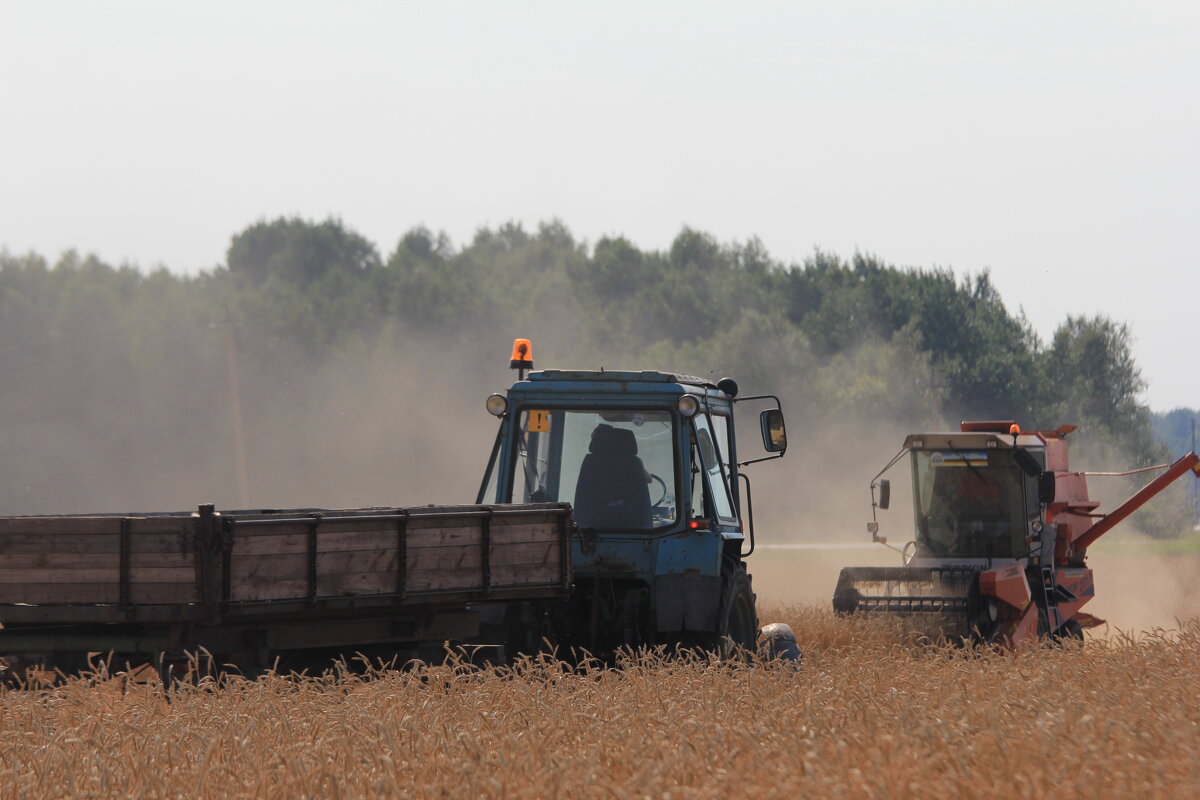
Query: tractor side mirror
1046	487
774	433
885	494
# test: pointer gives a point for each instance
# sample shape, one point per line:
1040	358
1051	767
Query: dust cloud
1140	590
393	426
401	423
811	508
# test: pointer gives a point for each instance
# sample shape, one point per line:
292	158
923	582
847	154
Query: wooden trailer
248	586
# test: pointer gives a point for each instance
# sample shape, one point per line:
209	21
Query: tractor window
616	468
711	466
970	503
487	492
720	426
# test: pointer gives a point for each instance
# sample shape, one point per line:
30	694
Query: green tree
299	251
1092	380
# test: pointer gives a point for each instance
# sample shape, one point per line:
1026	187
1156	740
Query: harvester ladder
1051	600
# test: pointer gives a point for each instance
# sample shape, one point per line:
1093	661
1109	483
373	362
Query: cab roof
958	440
619	376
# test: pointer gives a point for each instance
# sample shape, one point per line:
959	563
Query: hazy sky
1055	143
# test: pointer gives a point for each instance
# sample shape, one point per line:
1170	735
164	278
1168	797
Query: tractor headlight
496	405
688	405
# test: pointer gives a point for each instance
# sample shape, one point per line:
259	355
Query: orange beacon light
522	357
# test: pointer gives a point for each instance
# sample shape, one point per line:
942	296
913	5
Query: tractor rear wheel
737	621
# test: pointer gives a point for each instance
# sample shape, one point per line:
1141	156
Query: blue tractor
649	463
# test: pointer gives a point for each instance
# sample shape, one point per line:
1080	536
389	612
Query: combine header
1002	531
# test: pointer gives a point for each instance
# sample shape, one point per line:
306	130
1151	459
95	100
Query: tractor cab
649	462
641	454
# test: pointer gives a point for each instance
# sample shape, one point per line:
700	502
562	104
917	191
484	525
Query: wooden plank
526	553
104	561
54	526
138	575
374	539
503	577
285	567
421	533
137	560
32	543
264	540
254	545
59	561
430	568
356	583
34	575
87	593
297	543
253	588
282	567
89	544
463	578
357	561
435	558
444	537
529	518
176	592
515	534
518	575
161	543
430	523
182	526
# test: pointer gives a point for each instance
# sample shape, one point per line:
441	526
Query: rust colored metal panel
1023	628
1007	584
1080	584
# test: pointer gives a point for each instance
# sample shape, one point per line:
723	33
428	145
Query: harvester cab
649	462
1002	527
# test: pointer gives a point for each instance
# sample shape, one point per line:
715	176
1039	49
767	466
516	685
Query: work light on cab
688	405
496	405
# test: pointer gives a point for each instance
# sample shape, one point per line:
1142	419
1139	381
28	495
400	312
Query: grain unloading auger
1002	531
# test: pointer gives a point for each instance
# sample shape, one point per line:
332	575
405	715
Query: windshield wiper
974	469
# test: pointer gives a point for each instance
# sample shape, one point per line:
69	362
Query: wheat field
873	713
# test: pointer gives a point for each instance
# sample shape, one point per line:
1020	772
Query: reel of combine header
941	602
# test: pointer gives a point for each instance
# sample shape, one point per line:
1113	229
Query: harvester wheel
1071	630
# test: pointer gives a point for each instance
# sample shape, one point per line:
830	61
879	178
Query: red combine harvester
1002	531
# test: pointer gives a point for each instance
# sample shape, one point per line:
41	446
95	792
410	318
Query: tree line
106	355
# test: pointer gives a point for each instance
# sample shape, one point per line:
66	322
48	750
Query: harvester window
970	503
617	468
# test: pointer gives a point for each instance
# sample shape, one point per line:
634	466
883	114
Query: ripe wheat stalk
873	713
